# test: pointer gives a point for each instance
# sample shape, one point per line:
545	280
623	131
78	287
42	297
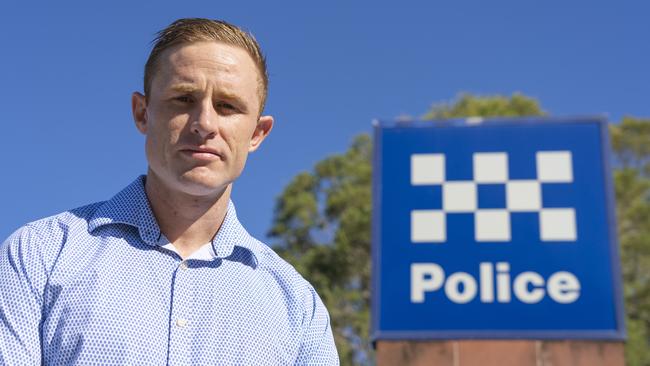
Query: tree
467	105
631	145
322	220
322	225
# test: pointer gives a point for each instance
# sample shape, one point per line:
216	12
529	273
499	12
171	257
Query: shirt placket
181	322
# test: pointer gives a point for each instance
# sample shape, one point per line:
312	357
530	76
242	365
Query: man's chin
202	186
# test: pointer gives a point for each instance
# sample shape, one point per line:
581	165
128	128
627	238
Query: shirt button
183	265
181	322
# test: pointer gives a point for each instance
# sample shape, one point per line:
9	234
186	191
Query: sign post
497	229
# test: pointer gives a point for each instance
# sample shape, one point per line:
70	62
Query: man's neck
187	221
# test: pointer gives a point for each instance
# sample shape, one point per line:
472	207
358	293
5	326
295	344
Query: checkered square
428	226
491	195
554	167
427	169
459	196
490	167
492	225
558	224
524	196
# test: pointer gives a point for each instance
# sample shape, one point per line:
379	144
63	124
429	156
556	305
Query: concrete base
499	353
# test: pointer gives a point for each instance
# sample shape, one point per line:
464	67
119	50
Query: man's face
201	117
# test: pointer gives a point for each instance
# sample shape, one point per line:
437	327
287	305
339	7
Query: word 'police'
461	287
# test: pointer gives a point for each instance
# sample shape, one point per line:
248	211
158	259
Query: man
163	273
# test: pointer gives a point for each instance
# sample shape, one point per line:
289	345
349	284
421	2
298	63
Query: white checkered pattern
493	225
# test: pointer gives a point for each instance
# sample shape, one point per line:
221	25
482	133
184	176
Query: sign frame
618	334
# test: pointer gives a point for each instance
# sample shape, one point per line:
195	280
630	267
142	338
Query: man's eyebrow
230	96
184	88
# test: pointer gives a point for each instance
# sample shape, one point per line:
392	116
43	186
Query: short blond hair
191	30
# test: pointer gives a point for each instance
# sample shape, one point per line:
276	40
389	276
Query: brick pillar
499	353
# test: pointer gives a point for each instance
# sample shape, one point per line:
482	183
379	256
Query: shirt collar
131	207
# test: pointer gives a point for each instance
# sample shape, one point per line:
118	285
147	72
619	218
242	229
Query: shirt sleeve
22	280
317	347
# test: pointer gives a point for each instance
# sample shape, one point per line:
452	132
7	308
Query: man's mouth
202	153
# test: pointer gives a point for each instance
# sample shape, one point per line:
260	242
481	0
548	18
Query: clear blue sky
68	70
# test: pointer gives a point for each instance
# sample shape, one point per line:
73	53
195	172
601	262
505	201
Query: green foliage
467	105
637	349
322	225
631	142
631	145
322	220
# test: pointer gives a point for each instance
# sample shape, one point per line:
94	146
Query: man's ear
139	110
264	126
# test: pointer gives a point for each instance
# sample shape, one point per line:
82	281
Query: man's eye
226	106
184	99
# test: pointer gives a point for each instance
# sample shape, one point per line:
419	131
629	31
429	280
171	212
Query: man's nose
205	121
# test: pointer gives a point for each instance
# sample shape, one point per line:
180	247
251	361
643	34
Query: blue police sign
495	229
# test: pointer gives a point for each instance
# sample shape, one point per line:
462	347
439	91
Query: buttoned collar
131	207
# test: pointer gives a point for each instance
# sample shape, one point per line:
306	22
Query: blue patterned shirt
100	285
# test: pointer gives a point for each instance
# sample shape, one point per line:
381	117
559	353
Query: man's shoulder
62	222
66	226
284	272
50	233
304	303
268	258
42	240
